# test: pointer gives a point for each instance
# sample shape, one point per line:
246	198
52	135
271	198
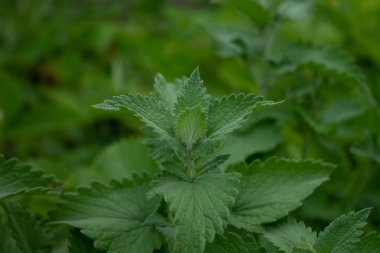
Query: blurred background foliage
321	57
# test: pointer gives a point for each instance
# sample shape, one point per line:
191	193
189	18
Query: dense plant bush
191	203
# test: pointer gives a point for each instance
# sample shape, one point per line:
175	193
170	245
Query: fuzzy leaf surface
192	93
342	234
270	190
228	113
191	125
118	217
166	92
200	207
291	235
15	179
147	108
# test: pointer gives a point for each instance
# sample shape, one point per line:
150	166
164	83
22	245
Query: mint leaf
147	108
191	125
291	235
200	207
166	92
233	243
342	234
228	113
192	93
370	243
15	179
270	190
118	217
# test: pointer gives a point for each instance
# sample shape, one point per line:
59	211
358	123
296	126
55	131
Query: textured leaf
27	232
270	190
233	243
147	108
291	235
16	179
165	91
192	93
370	243
342	235
118	217
191	125
200	207
228	113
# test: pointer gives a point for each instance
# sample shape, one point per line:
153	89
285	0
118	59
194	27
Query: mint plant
193	205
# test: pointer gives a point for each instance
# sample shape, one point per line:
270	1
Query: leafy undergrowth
192	203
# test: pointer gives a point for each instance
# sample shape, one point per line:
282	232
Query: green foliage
118	217
16	179
204	178
270	190
342	235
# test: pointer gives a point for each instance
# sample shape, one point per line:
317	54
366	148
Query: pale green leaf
370	243
117	217
270	190
200	207
228	113
233	243
15	179
291	235
191	125
342	235
166	92
192	93
147	108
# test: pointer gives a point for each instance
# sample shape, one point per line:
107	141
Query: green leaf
166	92
228	113
15	179
192	93
270	190
124	159
147	108
200	207
342	234
28	233
291	235
118	217
191	125
233	243
370	243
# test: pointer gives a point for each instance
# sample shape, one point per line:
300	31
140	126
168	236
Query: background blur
57	58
